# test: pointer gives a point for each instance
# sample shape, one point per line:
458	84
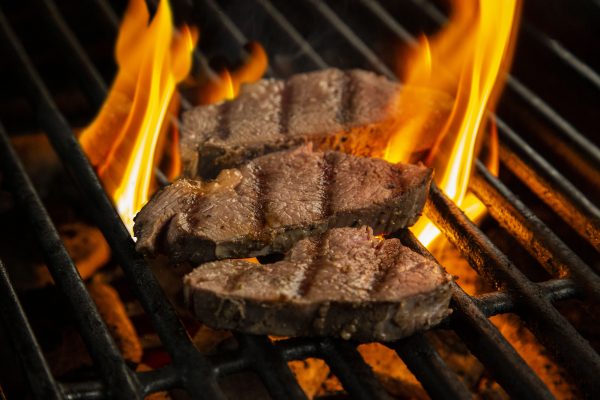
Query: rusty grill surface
533	302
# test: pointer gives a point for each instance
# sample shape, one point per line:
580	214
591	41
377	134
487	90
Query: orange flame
228	84
124	141
468	60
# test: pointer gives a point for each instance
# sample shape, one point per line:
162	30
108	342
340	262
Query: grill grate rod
347	364
501	302
197	376
24	341
485	341
264	359
293	33
549	185
352	38
425	362
549	326
93	329
535	237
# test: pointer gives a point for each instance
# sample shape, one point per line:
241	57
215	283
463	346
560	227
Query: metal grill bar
94	332
485	341
197	376
565	55
352	38
549	326
293	33
502	302
24	341
549	185
265	360
584	146
552	253
347	364
425	362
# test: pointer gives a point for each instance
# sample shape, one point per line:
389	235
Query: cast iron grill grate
197	374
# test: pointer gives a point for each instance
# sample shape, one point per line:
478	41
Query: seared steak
344	283
273	201
352	111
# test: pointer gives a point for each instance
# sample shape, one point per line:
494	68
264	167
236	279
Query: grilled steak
352	111
271	202
344	283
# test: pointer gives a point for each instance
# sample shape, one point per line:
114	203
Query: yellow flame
229	89
124	140
228	85
467	60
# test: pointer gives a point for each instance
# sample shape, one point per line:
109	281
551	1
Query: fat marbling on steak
273	201
352	111
344	283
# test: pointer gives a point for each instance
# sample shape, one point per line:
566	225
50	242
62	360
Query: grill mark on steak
224	129
346	109
327	184
261	185
315	263
287	93
326	211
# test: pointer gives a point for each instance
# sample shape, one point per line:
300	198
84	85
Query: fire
468	60
228	84
125	140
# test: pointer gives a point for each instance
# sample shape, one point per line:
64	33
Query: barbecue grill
545	155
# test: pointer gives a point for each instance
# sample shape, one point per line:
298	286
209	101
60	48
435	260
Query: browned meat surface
273	201
352	111
344	283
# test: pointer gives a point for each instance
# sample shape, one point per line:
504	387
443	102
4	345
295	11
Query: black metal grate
199	375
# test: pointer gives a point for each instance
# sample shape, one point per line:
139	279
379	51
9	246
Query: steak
344	283
273	201
352	111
